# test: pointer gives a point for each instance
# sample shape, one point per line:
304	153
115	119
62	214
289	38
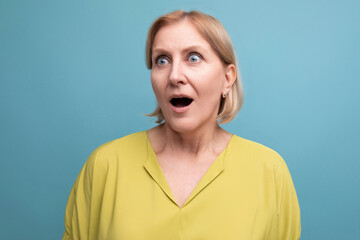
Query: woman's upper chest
184	172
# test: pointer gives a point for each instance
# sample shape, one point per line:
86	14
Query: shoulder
127	143
262	162
256	152
112	152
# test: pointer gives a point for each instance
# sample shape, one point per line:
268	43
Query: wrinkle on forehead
168	37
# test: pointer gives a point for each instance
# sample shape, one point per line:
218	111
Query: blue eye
194	58
161	61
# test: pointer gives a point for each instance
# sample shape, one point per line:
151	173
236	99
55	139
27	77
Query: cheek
158	85
154	82
212	83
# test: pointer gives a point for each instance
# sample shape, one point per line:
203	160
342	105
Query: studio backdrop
73	76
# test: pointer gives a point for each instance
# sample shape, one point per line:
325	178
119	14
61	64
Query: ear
230	77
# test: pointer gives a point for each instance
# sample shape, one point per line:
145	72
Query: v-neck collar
153	168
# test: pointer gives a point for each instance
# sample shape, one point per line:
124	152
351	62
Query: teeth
181	102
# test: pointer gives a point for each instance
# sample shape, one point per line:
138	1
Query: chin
182	125
187	124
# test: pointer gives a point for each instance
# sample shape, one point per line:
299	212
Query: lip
179	96
180	109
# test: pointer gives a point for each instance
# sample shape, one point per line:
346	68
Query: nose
177	75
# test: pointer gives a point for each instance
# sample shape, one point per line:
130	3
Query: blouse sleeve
82	209
288	210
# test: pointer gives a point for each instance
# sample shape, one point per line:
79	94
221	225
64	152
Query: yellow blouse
121	194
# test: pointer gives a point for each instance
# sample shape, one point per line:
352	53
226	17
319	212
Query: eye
194	57
161	60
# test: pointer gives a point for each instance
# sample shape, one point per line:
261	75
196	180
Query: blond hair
215	34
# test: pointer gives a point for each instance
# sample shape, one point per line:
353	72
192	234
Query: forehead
178	35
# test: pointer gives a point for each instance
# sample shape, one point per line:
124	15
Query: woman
186	178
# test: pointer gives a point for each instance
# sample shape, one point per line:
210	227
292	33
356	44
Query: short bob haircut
215	34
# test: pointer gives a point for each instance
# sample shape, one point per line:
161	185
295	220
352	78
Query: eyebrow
187	49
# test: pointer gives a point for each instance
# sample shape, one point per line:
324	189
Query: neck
208	138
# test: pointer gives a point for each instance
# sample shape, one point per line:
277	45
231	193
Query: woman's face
187	77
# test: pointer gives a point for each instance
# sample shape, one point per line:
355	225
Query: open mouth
181	102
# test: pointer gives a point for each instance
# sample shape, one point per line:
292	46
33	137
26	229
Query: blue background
73	77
